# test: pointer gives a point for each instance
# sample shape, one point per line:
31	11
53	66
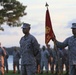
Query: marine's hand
54	39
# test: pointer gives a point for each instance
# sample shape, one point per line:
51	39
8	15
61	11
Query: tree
10	13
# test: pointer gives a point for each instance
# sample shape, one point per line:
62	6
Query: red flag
49	34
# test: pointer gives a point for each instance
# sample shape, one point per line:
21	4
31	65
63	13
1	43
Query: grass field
11	73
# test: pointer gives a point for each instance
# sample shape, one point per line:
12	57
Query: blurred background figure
16	57
44	59
65	61
6	61
38	60
2	55
50	60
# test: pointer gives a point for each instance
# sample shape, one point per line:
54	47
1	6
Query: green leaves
11	12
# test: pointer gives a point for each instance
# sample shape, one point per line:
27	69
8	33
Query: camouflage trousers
28	69
72	70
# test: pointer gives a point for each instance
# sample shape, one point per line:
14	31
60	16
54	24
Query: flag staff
46	5
50	35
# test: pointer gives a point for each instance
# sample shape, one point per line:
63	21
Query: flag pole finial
46	5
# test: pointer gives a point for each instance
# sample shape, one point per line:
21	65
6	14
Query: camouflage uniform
29	48
16	57
44	59
71	43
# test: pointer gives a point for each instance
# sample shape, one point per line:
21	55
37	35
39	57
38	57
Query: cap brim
23	27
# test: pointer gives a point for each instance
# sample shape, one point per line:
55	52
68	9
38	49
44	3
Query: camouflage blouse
29	48
71	43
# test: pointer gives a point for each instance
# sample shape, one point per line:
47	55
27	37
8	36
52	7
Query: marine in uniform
50	60
44	59
71	43
6	61
29	48
16	58
65	61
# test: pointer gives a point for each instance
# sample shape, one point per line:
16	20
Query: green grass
11	73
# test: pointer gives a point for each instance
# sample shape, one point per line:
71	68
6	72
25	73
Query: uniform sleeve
62	44
35	46
20	51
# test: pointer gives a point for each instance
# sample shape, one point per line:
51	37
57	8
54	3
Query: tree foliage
10	12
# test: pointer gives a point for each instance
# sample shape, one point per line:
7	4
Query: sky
62	13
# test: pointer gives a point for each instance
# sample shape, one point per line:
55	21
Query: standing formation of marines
45	56
30	53
35	59
4	55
